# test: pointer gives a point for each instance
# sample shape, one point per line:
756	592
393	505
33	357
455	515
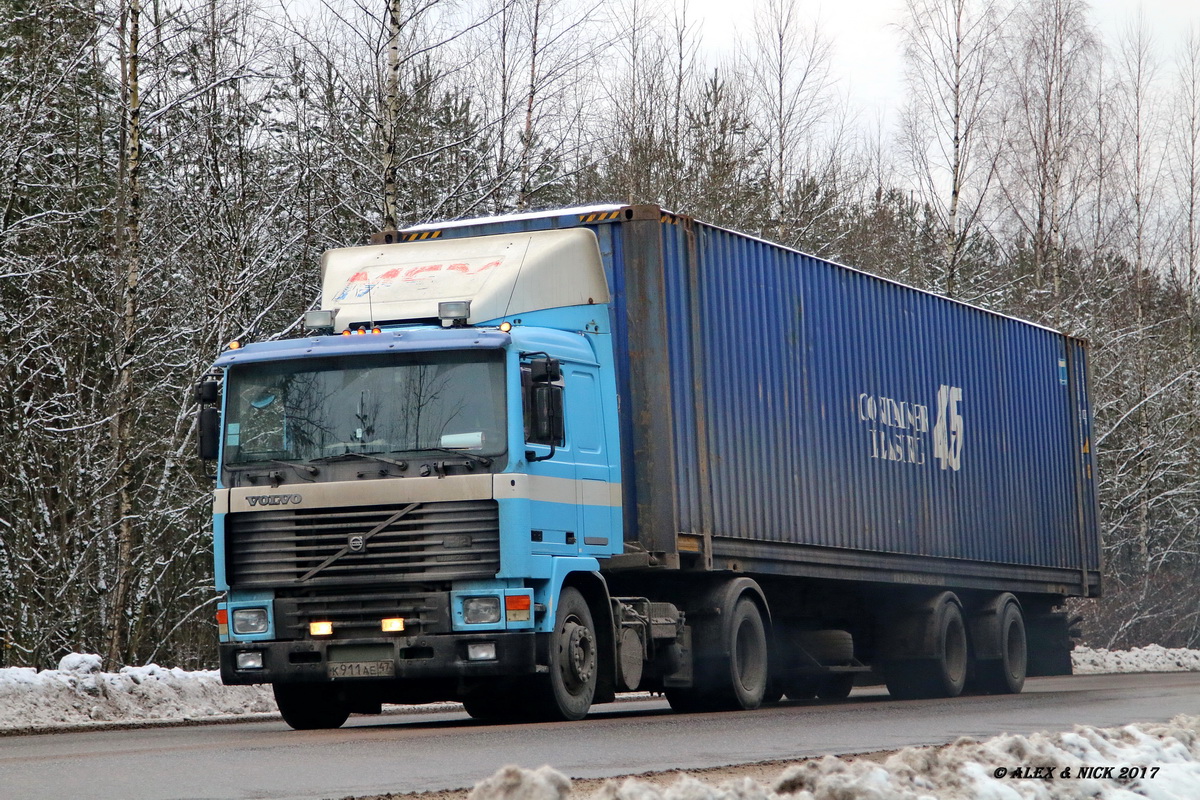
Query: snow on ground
1160	762
1153	658
79	693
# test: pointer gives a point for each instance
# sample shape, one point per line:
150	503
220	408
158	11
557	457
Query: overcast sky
867	58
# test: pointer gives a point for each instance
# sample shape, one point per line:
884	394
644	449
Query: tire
308	707
829	647
836	687
746	667
946	673
731	667
1006	675
567	692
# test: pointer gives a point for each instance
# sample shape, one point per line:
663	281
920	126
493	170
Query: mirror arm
531	456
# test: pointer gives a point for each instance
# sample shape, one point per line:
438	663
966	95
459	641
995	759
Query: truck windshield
306	409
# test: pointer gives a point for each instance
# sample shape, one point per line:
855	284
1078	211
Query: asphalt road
407	753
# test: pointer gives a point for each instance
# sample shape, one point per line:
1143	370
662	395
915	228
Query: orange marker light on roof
235	344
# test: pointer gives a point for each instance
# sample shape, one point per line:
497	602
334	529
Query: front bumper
415	657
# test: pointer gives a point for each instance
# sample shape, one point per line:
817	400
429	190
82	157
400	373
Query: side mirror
208	391
547	415
545	370
210	433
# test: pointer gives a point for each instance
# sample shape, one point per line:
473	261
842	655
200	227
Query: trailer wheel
312	706
568	691
1006	675
946	673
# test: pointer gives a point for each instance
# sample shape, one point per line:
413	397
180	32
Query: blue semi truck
531	462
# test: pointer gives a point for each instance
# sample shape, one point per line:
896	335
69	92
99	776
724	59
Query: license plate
362	669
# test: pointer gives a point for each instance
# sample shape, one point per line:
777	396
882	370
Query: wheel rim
577	661
1014	651
956	650
749	656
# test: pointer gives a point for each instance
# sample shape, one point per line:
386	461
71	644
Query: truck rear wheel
1006	674
568	690
946	673
311	706
732	663
746	678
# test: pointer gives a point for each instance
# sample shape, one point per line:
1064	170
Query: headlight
250	620
481	610
251	659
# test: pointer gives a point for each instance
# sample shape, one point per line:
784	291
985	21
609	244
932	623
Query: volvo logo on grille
356	543
274	499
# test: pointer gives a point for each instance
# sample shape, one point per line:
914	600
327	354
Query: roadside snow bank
1161	761
78	692
1152	658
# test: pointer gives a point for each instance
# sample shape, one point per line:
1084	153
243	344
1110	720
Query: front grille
358	614
429	542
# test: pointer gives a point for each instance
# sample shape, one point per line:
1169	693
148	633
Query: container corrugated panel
839	410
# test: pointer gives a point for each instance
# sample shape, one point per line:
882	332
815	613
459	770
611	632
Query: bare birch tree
952	50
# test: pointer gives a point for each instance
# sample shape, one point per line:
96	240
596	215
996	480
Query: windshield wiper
355	454
483	460
305	468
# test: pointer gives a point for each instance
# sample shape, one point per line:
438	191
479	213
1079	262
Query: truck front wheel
311	706
571	685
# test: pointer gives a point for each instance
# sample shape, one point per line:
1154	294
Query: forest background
170	171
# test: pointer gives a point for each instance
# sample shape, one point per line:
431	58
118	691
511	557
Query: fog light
481	651
481	610
249	620
320	629
395	625
251	659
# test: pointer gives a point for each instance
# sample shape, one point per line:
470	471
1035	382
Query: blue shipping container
784	414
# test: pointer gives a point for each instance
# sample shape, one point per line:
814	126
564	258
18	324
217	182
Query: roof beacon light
454	313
